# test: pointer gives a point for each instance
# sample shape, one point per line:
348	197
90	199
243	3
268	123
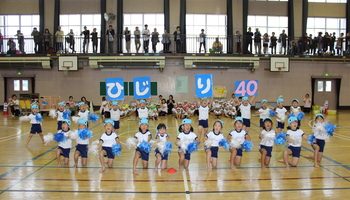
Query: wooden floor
32	173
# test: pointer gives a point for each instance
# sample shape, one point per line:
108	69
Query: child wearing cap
83	112
162	136
82	145
246	112
267	137
214	137
104	109
35	119
107	140
115	115
143	135
203	118
295	109
237	137
142	111
186	135
320	133
264	112
63	148
280	114
294	138
59	114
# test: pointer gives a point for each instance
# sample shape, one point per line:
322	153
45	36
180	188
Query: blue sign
204	85
142	87
246	88
114	89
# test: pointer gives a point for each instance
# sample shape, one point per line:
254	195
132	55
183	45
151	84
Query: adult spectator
266	41
319	43
257	41
94	40
155	40
86	39
83	99
59	40
137	34
20	39
47	40
11	47
177	39
249	40
14	106
202	41
347	42
273	43
127	35
36	37
217	46
326	41
332	44
1	43
71	40
237	41
146	35
307	103
283	40
339	45
171	103
166	41
110	38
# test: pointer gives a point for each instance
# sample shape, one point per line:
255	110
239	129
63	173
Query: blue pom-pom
272	113
247	145
223	143
311	139
300	116
66	114
145	146
116	149
38	118
59	137
330	128
84	134
93	117
168	148
291	115
192	147
281	138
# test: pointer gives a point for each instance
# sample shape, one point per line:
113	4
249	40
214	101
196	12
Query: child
142	111
294	138
307	103
36	124
245	113
64	146
161	136
280	115
59	114
203	119
295	109
115	115
264	112
107	140
238	136
104	108
142	136
214	137
82	145
267	137
187	135
83	112
321	136
217	109
163	111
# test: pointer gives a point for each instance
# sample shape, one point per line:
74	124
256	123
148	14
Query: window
25	85
268	0
328	86
319	86
153	20
77	23
9	24
16	85
330	25
214	26
328	1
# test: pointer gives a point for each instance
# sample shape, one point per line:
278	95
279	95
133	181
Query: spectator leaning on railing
202	41
249	35
71	40
155	40
166	41
146	35
47	40
137	34
36	37
20	39
177	39
257	41
127	35
86	40
59	40
110	38
94	40
1	42
11	46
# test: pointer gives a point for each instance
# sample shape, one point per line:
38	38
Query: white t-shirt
162	138
264	113
164	107
115	114
59	115
84	115
319	131
143	112
296	110
296	137
281	114
203	113
267	138
307	103
146	34
215	138
142	137
238	136
66	144
108	140
32	118
187	136
245	111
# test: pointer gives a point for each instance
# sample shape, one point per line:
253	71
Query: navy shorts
144	155
214	152
239	152
261	121
64	152
164	157
109	153
36	128
321	144
246	122
116	124
187	156
59	125
267	149
203	123
280	125
295	151
83	150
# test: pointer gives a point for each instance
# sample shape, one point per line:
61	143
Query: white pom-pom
183	144
93	147
52	113
161	147
131	143
24	118
48	138
208	143
235	144
74	135
75	119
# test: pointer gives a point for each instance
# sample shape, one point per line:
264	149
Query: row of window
317	1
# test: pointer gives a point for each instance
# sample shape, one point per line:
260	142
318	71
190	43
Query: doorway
18	86
326	89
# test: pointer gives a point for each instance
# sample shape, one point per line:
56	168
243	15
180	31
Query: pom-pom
66	114
52	113
24	118
75	119
291	115
192	147
330	128
59	137
131	143
281	138
145	146
74	135
38	117
93	147
208	143
164	148
247	145
93	117
272	113
223	143
84	134
48	138
311	139
300	116
116	149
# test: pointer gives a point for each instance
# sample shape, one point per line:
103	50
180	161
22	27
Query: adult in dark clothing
283	40
110	38
273	43
257	41
86	40
177	39
248	36
171	103
94	40
332	44
36	37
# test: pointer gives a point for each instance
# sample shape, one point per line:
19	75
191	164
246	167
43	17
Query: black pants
178	46
162	113
94	47
154	47
204	46
14	111
166	47
36	47
145	45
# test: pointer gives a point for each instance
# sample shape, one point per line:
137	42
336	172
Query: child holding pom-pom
245	110
321	136
161	137
214	136
83	135
115	115
267	137
184	139
264	112
295	110
237	138
35	119
280	114
294	137
64	143
143	137
107	140
83	112
59	114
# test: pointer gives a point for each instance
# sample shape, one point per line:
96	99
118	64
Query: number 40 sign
246	88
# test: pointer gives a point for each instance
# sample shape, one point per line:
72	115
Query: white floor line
187	190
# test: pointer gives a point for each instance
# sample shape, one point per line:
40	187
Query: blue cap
34	106
239	119
67	121
81	104
264	101
143	121
82	121
62	103
114	103
187	121
292	119
108	121
142	101
280	100
319	115
245	98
